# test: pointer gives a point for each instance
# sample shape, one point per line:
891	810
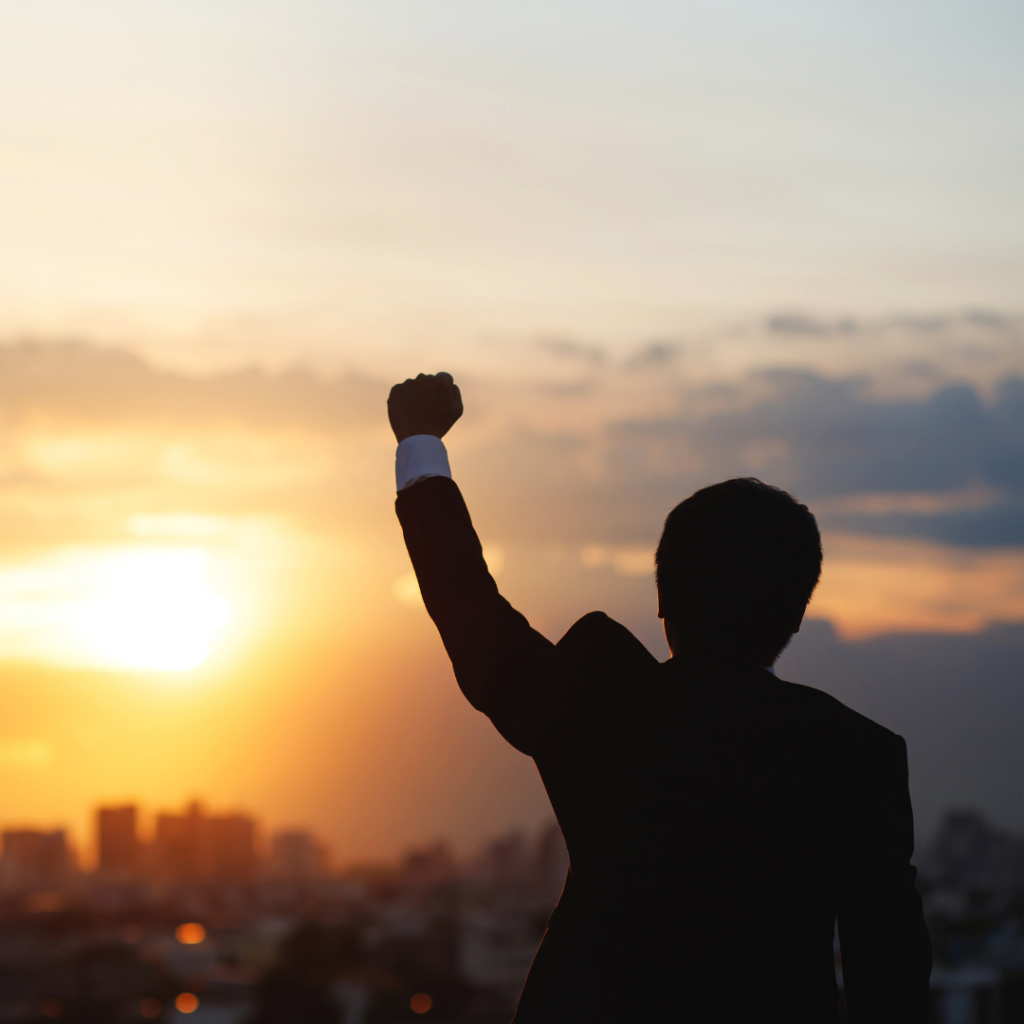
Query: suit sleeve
886	951
506	669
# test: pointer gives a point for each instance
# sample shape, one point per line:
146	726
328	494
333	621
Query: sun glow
156	613
122	608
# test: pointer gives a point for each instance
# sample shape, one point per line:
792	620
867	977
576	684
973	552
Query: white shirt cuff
418	457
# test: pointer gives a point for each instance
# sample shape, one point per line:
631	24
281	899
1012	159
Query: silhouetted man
719	821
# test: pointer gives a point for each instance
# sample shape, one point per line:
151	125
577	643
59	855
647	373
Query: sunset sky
658	244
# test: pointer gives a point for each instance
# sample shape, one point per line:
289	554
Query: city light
186	1003
150	1008
420	1003
190	934
52	1008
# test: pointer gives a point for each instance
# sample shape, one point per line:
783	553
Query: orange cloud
873	585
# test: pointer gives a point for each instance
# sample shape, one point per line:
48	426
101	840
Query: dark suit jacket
718	820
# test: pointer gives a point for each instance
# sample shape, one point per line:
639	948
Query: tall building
178	845
231	847
193	846
120	852
34	861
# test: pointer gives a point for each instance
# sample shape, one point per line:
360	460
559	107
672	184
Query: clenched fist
430	404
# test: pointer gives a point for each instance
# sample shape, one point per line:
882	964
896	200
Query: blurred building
296	856
504	860
194	846
462	931
428	865
178	848
496	949
120	851
34	861
970	855
972	882
230	843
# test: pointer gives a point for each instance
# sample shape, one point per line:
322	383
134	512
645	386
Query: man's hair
736	565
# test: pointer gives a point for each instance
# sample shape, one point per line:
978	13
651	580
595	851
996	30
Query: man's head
736	566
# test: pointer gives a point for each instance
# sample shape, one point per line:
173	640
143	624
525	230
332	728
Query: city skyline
428	931
194	845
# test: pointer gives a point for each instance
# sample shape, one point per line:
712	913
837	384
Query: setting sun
119	608
156	612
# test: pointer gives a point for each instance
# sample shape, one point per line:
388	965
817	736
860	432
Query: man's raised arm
507	670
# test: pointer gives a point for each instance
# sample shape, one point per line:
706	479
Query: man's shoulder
597	639
827	712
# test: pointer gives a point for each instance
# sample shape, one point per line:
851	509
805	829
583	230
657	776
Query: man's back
711	816
718	820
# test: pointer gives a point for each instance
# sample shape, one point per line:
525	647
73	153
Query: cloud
81	382
653	356
92	438
563	348
948	466
823	438
797	323
991	319
99	425
926	323
873	585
